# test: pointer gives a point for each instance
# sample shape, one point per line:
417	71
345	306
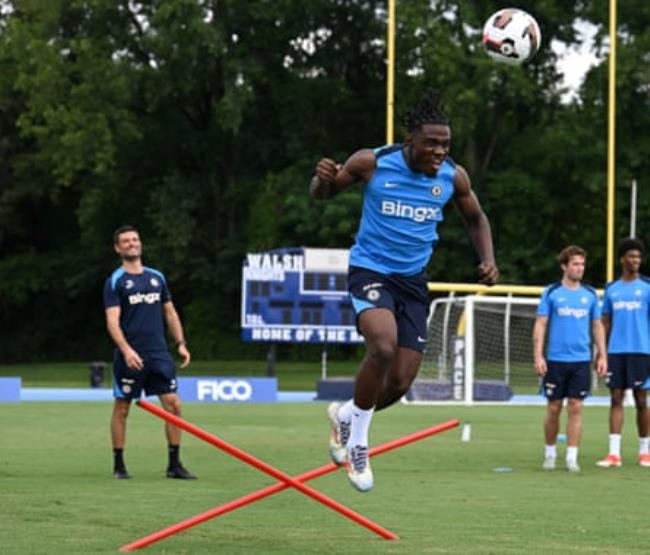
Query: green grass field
440	495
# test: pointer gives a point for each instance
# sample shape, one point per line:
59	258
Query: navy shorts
406	297
157	377
627	370
566	379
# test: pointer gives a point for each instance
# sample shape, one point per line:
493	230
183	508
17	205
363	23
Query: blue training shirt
628	305
570	313
401	212
140	298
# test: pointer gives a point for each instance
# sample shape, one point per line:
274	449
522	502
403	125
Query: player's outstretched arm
478	226
331	178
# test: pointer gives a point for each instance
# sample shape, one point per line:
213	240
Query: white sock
571	454
550	452
360	424
644	443
345	411
615	444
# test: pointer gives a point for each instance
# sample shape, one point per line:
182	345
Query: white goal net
479	348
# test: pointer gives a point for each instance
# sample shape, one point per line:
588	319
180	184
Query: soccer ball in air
511	36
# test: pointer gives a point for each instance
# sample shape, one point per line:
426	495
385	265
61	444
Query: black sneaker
121	474
180	473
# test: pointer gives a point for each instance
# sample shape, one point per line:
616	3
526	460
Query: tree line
200	122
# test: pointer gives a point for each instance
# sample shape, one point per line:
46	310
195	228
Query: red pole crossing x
285	480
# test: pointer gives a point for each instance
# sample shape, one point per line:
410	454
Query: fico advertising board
209	389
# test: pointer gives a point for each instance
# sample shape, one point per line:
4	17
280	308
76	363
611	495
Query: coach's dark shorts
627	370
567	379
405	297
157	377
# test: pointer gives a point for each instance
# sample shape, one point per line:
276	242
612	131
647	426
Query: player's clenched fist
488	273
326	170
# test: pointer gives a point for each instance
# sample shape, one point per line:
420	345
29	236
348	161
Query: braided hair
430	109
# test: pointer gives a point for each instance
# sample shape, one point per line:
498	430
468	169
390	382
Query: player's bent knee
574	406
617	402
172	404
554	408
401	384
400	391
121	409
382	353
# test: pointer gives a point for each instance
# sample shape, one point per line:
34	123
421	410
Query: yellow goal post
477	288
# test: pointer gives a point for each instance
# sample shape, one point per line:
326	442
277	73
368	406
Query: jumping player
406	187
571	312
138	305
626	316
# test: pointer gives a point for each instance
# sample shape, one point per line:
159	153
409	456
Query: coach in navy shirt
138	306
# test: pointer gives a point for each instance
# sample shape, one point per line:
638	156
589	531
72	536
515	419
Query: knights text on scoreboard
297	295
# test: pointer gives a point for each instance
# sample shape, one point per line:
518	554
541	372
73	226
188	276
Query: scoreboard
297	295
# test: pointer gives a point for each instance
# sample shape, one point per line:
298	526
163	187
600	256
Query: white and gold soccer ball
511	36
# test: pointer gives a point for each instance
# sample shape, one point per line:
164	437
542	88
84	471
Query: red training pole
270	490
268	469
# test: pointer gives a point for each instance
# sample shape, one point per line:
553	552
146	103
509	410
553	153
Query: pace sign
297	295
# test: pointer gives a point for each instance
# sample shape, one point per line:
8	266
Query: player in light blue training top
401	211
626	315
138	305
570	311
406	187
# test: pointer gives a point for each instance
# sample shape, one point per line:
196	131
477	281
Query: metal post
469	350
323	359
506	339
271	357
633	209
97	373
442	366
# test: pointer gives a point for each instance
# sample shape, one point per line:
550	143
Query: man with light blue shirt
570	312
626	316
406	187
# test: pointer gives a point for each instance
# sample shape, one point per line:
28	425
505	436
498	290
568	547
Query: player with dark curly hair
406	188
626	316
